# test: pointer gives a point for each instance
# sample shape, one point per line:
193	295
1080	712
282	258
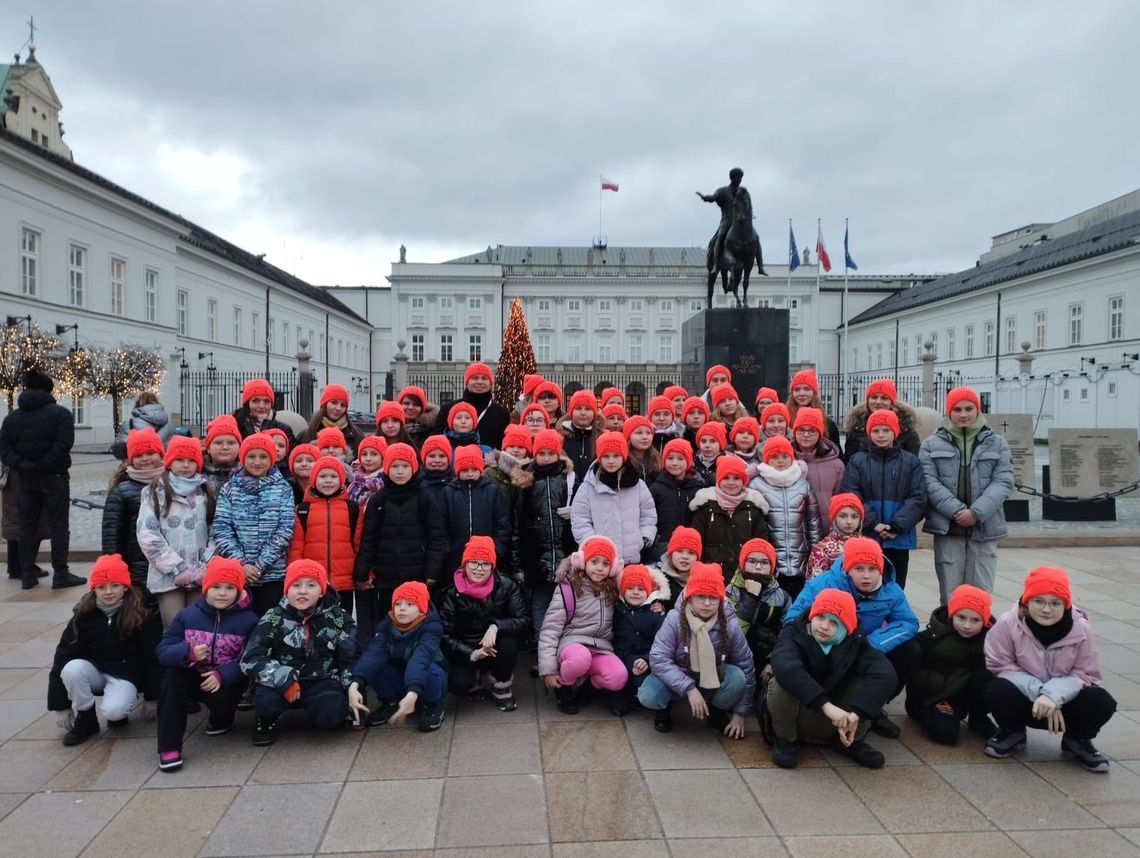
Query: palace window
29	261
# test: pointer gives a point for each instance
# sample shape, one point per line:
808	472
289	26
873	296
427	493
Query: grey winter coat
793	516
592	625
154	416
991	481
626	515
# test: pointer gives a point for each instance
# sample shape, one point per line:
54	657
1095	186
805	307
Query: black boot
567	700
14	559
66	579
86	725
718	719
264	731
663	719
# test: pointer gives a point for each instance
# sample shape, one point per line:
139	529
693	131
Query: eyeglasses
535	420
1052	604
757	561
807	430
480	566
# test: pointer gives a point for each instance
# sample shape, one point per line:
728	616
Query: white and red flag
821	251
607	185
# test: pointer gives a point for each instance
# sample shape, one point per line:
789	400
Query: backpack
353	515
567	590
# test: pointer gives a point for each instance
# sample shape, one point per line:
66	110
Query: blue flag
793	252
847	253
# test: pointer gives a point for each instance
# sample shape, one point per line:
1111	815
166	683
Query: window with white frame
323	356
29	261
696	305
340	352
870	359
917	347
542	348
76	274
446	353
605	349
794	347
934	339
990	339
854	359
271	335
475	347
1066	395
573	349
951	344
285	338
1010	334
474	302
1116	317
79	410
301	336
878	355
256	332
417	302
1112	389
150	295
118	286
905	350
1084	394
574	305
665	305
890	353
211	320
544	305
181	312
1076	324
636	348
417	347
969	341
446	302
605	305
1039	329
237	326
665	349
636	305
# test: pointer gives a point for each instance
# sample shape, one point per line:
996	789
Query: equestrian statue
735	247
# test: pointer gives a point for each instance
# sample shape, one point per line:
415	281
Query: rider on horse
725	198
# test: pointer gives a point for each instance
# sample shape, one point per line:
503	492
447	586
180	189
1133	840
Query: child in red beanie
803	392
138	472
709	443
200	654
792	513
581	430
1043	653
472	506
257	412
846	514
221	445
403	663
107	648
663	417
301	459
673	489
420	416
683	550
435	453
299	654
880	396
333	414
367	470
726	406
758	601
969	475
638	615
822	457
613	501
390	423
729	514
643	456
827	683
950	683
701	656
485	619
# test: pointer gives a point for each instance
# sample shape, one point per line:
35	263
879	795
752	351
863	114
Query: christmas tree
516	358
23	350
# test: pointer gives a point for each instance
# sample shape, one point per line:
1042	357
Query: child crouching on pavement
299	654
638	614
758	601
700	654
200	655
403	663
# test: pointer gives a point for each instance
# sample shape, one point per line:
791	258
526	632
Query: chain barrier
1103	496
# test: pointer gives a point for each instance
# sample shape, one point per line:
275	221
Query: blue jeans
390	684
655	694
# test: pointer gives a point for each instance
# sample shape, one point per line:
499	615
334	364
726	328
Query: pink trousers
604	668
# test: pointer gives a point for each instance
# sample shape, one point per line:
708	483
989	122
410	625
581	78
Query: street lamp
209	367
63	329
13	321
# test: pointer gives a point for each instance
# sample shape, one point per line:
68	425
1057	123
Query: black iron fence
204	394
837	400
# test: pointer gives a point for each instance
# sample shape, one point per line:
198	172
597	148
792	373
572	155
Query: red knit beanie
882	387
143	441
860	549
530	381
303	450
598	546
970	598
767	393
534	408
1047	581
812	418
479	548
468	456
223	570
883	417
389	409
415	592
109	569
611	442
474	369
403	453
613	410
634	423
612	392
461	407
416	393
775	446
331	437
583	399
368	442
327	463
842	501
694	402
762	546
685	537
256	387
547	439
334	393
723	392
706	579
306	569
958	394
731	466
839	603
258	441
181	447
805	377
635	575
221	426
518	436
717	369
673	391
714	430
776	409
435	444
681	447
548	388
660	403
745	424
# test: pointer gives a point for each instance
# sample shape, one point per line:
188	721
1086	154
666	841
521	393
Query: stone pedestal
751	341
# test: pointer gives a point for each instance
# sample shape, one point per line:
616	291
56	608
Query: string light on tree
516	359
23	349
123	372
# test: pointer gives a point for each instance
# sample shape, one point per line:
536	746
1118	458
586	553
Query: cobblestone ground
535	782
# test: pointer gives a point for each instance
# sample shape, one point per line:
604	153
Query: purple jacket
1059	671
669	657
223	632
825	473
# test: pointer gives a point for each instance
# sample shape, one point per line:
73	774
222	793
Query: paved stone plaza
535	782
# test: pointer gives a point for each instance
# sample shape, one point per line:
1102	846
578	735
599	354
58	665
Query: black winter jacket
466	619
96	638
473	507
814	678
578	446
120	522
538	537
634	631
403	537
247	427
491	425
948	661
37	437
672	498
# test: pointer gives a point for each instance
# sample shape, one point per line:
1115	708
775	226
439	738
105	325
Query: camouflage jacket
285	647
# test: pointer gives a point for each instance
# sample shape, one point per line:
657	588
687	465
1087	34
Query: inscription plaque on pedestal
1017	429
752	342
1088	462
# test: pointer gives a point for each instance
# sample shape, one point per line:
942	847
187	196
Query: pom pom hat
181	447
1047	581
143	441
306	569
860	549
837	603
223	570
334	393
109	569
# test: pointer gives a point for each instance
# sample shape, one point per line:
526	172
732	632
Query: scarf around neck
480	592
702	653
109	610
784	478
186	486
1049	635
145	475
728	502
405	627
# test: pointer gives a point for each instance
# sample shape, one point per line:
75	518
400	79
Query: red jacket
327	536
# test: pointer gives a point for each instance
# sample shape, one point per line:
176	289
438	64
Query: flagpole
788	297
844	358
599	208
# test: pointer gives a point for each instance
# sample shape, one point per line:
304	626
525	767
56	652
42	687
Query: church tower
29	105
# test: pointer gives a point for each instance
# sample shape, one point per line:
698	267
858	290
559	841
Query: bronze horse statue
741	250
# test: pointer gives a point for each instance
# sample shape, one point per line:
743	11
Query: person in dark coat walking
36	441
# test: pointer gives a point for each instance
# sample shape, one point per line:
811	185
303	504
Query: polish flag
607	185
821	251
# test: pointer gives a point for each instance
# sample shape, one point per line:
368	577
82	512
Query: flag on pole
793	251
607	185
847	253
821	251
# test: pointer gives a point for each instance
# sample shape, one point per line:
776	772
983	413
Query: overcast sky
326	138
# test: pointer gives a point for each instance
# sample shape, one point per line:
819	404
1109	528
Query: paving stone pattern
538	783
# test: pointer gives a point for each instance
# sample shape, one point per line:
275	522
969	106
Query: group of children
698	554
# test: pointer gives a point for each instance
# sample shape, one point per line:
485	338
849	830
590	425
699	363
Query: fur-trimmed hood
705	495
429	416
859	413
663	591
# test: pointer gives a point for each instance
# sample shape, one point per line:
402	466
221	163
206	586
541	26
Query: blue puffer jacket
474	508
892	487
885	616
253	522
413	651
223	632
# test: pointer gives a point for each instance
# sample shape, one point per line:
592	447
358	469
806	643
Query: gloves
293	692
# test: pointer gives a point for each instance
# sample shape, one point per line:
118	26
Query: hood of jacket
31	400
859	413
153	415
703	496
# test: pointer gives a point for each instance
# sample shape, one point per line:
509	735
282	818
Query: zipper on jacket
550	518
214	639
